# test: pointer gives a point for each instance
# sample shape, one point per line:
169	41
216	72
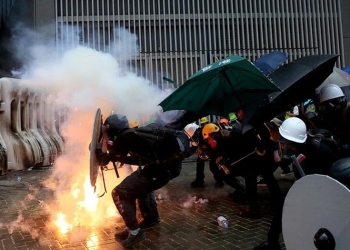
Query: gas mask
286	150
333	108
212	142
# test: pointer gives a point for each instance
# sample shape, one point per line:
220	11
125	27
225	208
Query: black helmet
324	240
115	124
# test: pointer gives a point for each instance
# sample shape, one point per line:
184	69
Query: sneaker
219	184
197	183
268	245
260	182
134	239
149	222
122	235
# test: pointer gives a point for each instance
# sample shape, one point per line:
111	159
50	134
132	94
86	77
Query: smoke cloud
82	79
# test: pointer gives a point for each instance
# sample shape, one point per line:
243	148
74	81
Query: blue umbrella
347	69
270	62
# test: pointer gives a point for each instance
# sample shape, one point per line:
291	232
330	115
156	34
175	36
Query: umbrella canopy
346	69
270	62
177	119
338	77
220	88
298	81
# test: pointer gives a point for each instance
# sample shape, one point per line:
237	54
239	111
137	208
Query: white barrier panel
46	147
50	124
28	134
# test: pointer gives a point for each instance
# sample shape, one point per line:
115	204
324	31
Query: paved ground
185	224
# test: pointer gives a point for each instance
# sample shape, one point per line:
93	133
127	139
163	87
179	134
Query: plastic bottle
223	222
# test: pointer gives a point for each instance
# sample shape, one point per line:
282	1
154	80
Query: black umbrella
297	80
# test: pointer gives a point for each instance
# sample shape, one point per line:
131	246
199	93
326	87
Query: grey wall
345	11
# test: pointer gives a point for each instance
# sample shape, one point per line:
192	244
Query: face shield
332	107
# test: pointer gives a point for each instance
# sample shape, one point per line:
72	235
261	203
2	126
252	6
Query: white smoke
83	79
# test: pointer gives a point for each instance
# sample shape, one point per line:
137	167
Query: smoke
82	80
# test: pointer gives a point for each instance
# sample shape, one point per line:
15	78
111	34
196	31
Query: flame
92	241
91	201
81	208
77	205
62	224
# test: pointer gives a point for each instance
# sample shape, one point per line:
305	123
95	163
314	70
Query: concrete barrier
28	135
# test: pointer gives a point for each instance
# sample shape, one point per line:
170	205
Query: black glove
102	158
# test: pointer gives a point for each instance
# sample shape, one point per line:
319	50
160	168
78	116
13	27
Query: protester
157	150
238	153
147	203
203	121
218	147
200	164
334	112
202	158
314	156
224	123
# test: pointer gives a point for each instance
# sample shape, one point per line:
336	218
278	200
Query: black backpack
318	137
164	145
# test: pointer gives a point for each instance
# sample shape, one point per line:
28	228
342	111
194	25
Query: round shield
344	238
95	140
314	202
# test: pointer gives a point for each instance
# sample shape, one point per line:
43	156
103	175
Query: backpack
165	144
318	137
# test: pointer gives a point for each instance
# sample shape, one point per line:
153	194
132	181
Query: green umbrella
220	88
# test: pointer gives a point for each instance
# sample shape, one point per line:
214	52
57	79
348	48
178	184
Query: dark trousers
148	206
137	185
220	176
267	167
200	169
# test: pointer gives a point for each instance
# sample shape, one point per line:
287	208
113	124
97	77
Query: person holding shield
157	150
314	156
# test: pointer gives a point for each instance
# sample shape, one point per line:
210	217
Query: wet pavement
187	222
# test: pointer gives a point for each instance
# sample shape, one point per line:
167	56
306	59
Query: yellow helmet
204	120
133	124
208	129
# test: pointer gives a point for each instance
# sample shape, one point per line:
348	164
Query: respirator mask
212	142
284	153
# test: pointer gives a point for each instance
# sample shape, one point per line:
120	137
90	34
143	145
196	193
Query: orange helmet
208	129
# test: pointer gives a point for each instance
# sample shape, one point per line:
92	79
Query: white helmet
329	92
293	129
190	129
